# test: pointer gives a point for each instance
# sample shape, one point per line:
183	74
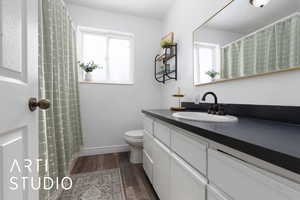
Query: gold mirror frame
231	79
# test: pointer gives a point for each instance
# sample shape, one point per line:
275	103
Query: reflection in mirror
243	41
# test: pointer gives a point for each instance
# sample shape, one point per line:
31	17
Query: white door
18	82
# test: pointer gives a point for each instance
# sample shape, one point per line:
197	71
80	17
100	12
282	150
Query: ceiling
241	17
143	8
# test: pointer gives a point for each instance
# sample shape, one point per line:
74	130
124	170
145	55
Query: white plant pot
88	76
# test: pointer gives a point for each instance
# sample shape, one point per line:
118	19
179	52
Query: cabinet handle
233	156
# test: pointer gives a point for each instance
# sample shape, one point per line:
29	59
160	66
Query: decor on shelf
166	62
167	40
165	43
88	68
166	65
212	74
178	96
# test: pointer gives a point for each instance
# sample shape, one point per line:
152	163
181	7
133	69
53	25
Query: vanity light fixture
259	3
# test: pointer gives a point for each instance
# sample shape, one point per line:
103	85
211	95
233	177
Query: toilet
135	140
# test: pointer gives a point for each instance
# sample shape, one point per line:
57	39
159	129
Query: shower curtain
276	47
60	127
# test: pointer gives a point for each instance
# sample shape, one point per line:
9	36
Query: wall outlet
197	99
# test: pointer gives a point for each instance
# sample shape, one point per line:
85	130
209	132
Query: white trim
207	44
106	83
109	34
97	31
216	59
88	151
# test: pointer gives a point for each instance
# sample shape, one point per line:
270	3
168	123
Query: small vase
88	76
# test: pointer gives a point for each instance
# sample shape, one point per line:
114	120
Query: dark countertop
274	142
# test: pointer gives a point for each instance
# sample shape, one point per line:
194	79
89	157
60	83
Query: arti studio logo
28	167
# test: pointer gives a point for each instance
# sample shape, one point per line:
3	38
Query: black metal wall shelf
166	72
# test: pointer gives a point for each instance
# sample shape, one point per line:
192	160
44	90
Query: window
206	58
112	51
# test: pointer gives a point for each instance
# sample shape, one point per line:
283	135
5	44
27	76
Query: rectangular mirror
243	41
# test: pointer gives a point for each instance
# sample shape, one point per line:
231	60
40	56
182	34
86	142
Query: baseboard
88	151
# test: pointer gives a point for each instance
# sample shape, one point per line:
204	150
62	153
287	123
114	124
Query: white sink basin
204	117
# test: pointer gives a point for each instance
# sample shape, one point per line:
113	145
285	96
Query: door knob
43	104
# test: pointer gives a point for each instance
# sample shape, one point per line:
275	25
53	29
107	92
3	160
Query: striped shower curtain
276	47
60	127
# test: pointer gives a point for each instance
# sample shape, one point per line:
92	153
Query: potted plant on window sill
88	68
212	74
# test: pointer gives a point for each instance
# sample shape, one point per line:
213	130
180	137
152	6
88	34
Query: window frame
81	30
217	58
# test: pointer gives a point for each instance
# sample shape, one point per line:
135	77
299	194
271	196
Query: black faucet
213	94
215	108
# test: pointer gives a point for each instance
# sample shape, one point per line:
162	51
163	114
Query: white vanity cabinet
243	181
183	166
161	170
177	171
185	182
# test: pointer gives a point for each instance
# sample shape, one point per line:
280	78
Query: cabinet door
148	166
190	149
162	132
148	143
161	170
148	124
241	180
186	182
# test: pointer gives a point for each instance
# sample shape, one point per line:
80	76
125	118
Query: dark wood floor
136	184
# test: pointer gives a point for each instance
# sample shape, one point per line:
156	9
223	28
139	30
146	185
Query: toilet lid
138	134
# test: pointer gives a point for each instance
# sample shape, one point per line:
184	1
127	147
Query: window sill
105	83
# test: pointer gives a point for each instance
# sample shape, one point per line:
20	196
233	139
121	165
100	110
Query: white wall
109	110
214	36
183	18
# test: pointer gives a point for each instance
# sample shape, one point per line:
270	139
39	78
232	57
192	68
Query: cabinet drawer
148	124
192	151
148	166
161	170
162	132
186	182
240	180
214	194
148	143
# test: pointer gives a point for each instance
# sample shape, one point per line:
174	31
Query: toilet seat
136	134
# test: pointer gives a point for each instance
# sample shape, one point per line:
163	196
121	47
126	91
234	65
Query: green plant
212	73
88	67
165	43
